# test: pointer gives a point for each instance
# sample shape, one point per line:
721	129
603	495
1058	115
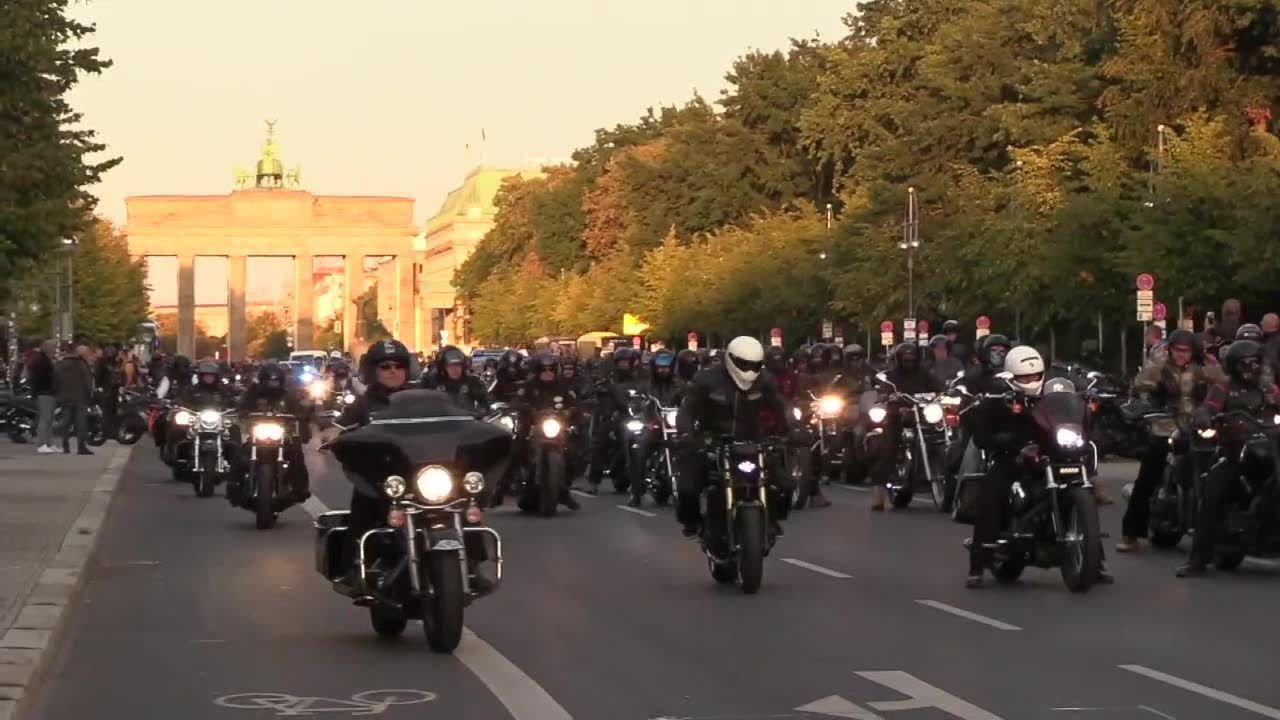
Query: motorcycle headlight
747	467
795	413
932	413
634	426
434	484
1207	433
507	422
182	417
669	417
210	419
551	427
1275	420
1068	438
877	414
318	389
473	482
830	405
268	432
349	398
394	486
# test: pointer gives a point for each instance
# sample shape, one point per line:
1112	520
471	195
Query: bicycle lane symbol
369	702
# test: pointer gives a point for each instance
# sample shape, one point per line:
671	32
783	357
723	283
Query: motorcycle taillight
953	420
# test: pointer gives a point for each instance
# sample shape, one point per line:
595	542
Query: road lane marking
816	568
582	493
968	615
637	511
921	696
523	698
853	488
1220	696
836	706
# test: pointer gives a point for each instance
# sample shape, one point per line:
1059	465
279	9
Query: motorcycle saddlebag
331	534
966	510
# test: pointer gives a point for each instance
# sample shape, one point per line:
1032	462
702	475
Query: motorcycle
209	433
508	418
1174	503
541	489
263	490
1117	421
921	451
428	560
135	415
831	449
630	426
655	471
1052	518
735	503
1252	524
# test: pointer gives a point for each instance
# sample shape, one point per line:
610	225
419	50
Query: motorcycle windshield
1059	409
420	427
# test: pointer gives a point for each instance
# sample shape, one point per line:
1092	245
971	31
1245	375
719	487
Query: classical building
275	217
447	239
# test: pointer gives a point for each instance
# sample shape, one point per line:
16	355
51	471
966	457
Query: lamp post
827	242
910	242
63	313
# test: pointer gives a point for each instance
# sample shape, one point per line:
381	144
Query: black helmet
1186	338
715	356
833	355
509	364
775	359
1249	331
687	363
385	351
1243	361
990	356
854	354
906	356
817	358
624	355
450	355
950	326
545	362
271	375
938	341
569	362
181	366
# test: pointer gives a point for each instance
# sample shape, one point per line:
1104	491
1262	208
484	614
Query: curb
28	645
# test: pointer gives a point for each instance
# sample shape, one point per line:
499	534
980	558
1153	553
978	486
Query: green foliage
44	168
1028	129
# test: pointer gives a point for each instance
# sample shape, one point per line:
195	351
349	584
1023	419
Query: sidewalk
51	510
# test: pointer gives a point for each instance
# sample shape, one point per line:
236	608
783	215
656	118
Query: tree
44	165
110	296
258	331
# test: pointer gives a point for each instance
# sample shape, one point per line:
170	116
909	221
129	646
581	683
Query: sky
383	97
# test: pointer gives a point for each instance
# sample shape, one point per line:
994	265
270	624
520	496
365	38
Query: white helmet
1027	367
744	360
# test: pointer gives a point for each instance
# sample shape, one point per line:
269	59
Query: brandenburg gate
276	218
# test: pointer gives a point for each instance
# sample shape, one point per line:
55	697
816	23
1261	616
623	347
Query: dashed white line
968	615
1220	696
853	488
315	507
816	568
523	698
582	493
637	511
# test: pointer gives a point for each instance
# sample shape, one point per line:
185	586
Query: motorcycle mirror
1093	375
960	374
882	377
1006	376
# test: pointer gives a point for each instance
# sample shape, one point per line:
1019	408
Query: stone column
405	301
352	286
237	331
304	302
187	305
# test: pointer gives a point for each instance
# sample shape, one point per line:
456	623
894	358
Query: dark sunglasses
392	366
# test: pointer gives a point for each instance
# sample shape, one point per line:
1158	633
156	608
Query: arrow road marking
968	615
922	695
836	706
1220	696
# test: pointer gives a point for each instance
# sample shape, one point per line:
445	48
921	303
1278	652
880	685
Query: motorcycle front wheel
264	500
552	482
207	478
442	607
1082	551
751	532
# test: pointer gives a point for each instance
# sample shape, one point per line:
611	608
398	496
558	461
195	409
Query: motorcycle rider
662	385
857	371
775	361
385	371
727	400
208	390
171	387
1177	383
909	377
686	364
542	391
1240	392
449	375
610	393
511	372
271	395
943	365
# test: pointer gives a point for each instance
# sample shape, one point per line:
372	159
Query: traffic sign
693	341
983	322
1146	282
886	326
886	338
1146	305
636	342
908	329
775	337
1161	312
827	330
839	337
924	328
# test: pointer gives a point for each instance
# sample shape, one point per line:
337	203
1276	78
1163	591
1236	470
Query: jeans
76	414
45	406
1137	516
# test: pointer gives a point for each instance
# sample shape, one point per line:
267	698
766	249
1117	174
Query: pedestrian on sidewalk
108	377
73	385
40	380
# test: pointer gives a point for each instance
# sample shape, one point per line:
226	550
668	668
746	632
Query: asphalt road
609	615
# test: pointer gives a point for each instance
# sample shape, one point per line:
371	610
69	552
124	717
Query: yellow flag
633	325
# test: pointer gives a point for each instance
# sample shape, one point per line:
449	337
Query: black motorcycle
208	447
1117	419
1175	501
546	478
1052	518
653	471
431	558
735	504
21	418
922	447
1252	525
134	416
264	490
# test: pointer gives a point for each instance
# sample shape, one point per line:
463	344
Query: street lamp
63	325
910	242
822	255
1157	163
